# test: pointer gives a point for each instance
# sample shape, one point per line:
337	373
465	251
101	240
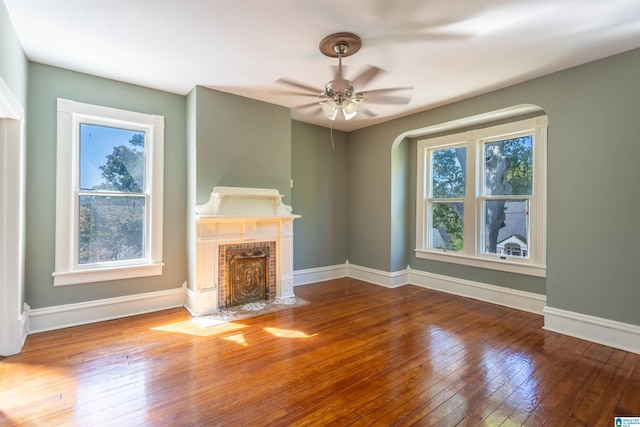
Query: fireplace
244	249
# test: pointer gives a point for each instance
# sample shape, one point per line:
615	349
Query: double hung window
482	197
108	194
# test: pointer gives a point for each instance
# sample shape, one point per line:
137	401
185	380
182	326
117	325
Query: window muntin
108	194
501	220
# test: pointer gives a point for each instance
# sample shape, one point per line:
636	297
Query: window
482	197
108	194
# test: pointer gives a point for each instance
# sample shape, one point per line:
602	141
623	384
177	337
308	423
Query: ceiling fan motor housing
339	90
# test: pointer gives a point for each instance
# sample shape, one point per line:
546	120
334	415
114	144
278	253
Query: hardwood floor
358	354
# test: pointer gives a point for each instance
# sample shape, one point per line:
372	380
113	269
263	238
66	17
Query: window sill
106	274
500	265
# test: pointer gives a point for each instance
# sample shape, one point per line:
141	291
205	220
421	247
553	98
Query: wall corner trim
623	336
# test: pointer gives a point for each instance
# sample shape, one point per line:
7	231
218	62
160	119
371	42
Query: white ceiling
446	50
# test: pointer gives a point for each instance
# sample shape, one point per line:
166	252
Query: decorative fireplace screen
249	272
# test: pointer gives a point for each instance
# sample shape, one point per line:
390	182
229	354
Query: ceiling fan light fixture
349	109
330	109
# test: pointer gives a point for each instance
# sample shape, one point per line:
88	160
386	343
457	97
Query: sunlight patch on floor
238	339
287	333
192	327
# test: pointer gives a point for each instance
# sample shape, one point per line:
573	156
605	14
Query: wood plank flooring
358	354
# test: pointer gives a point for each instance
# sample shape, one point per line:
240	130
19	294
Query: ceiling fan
339	96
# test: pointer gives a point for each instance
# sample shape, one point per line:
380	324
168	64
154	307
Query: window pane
111	159
508	167
447	226
111	228
506	224
448	172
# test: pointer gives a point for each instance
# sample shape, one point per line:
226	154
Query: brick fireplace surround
241	217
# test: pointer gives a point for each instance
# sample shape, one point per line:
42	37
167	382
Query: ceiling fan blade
292	93
312	90
387	99
305	106
387	90
365	111
386	96
366	76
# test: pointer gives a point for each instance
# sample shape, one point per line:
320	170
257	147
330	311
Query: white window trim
67	271
535	265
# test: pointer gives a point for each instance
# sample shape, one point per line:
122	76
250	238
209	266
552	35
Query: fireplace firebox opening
247	273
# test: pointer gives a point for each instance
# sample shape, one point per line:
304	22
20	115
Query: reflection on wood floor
358	354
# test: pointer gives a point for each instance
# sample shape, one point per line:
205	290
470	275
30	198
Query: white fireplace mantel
235	215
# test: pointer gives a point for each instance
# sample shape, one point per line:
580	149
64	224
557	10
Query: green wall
240	142
13	62
46	84
320	195
593	175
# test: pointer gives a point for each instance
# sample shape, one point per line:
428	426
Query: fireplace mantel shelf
243	202
203	218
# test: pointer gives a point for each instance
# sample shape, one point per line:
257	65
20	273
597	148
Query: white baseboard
63	316
521	300
321	274
615	334
378	277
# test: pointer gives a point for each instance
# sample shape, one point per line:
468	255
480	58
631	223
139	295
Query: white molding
13	318
189	301
508	266
321	274
10	107
63	316
513	298
106	274
379	277
612	333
